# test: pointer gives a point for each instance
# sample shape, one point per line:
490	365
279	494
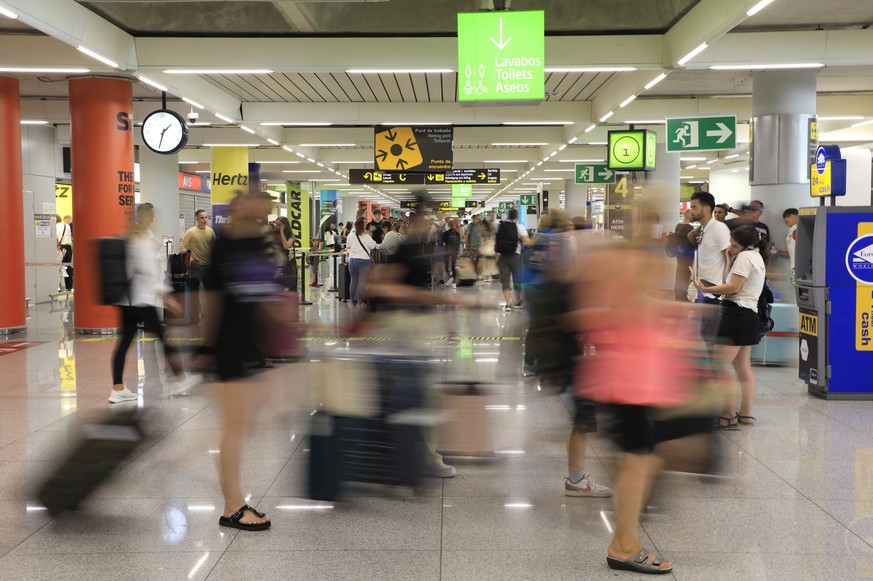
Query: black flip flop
232	521
639	564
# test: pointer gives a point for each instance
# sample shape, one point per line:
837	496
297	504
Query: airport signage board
465	176
462	190
527	200
594	174
501	56
702	133
419	148
631	150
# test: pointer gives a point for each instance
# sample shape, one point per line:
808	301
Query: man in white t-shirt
790	218
711	240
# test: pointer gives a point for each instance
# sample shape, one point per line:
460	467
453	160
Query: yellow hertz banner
298	214
63	200
864	304
230	172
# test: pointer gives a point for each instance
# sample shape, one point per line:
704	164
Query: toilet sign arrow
702	133
502	43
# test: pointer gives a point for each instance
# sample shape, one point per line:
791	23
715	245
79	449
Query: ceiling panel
316	89
392	88
812	14
692	83
350	89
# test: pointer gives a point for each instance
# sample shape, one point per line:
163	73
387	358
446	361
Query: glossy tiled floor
795	501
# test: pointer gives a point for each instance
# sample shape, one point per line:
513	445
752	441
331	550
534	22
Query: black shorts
633	428
585	420
710	320
738	325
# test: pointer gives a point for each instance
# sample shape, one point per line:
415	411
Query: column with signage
159	184
230	174
101	135
12	311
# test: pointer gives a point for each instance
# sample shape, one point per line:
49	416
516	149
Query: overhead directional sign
501	56
527	200
465	176
594	174
702	133
424	148
631	150
368	176
462	190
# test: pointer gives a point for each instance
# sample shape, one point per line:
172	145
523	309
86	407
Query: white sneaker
122	395
586	488
507	307
188	382
440	470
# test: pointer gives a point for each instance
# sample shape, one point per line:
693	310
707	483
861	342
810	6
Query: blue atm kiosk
834	271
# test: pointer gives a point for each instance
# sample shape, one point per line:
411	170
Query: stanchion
302	279
335	287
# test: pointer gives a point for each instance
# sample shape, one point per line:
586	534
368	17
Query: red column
12	309
102	169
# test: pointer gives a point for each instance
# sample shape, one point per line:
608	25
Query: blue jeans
359	268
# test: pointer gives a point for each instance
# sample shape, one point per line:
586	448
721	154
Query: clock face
164	131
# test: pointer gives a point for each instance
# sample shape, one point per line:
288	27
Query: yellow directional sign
397	149
820	180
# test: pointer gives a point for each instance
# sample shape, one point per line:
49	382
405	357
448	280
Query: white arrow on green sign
594	174
702	133
527	200
501	56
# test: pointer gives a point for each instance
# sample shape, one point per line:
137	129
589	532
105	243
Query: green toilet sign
501	56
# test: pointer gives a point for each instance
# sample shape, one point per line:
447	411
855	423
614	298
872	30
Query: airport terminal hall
459	290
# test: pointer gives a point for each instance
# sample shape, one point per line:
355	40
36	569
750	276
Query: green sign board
702	133
462	190
527	200
459	202
504	207
501	56
594	174
632	150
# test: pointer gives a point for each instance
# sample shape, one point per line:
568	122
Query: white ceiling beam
72	23
708	21
829	47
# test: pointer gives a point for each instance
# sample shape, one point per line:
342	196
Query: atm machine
834	271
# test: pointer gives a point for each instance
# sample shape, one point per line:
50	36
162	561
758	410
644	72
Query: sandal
745	420
640	564
232	521
724	423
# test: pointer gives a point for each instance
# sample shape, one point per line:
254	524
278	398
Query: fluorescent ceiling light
416	123
702	47
201	171
154	84
573	140
273	141
504	161
275	162
655	81
301	171
766	67
327	180
397	71
297	123
8	13
298	154
627	102
218	71
537	123
99	57
863	123
310	160
842	118
563	147
691	166
200	124
758	7
590	69
49	70
732	156
327	145
560	170
697	182
529	144
591	128
711	161
247	129
193	103
582	160
692	159
607	116
231	144
644	122
596	143
225	118
33	122
686	177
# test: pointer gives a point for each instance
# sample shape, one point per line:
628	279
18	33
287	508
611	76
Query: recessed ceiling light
582	160
766	67
218	71
700	48
33	122
193	103
154	84
644	122
529	144
758	7
416	123
398	71
863	123
225	118
296	123
732	156
47	70
247	129
655	81
327	144
8	13
231	144
627	102
584	69
607	116
537	123
560	170
273	141
692	159
97	56
842	118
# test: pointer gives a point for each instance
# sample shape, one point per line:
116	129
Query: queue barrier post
302	279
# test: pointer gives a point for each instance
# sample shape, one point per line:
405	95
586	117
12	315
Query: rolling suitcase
468	429
280	337
465	273
345	281
104	447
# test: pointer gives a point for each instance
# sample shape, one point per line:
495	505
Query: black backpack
114	284
506	240
765	309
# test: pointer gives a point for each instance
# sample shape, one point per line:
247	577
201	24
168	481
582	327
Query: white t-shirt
329	239
65	235
360	249
791	242
709	259
522	234
748	264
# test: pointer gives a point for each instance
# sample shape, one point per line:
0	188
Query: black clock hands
162	135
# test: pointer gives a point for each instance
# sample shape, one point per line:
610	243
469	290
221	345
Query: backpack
544	259
765	308
114	284
506	240
452	240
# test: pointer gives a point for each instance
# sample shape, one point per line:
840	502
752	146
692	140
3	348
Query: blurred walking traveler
679	246
360	262
147	292
507	243
739	322
284	252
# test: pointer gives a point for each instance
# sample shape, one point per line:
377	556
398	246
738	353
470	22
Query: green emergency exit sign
501	56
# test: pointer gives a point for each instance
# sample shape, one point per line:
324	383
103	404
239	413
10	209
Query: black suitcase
112	257
345	281
190	304
105	446
384	449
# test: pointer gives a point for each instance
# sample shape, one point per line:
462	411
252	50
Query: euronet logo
859	259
